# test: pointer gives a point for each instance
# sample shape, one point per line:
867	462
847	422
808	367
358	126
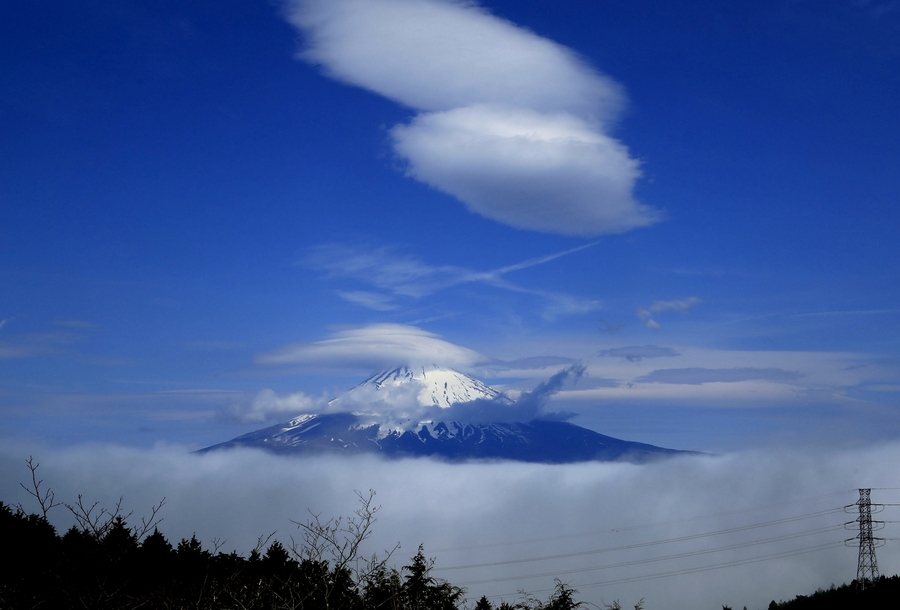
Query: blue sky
217	215
208	205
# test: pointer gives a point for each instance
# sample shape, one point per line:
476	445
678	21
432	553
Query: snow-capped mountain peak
430	385
396	413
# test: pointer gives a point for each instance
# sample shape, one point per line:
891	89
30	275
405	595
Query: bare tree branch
261	543
46	498
149	523
99	523
337	542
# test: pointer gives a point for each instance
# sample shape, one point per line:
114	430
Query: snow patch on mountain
406	398
420	386
438	386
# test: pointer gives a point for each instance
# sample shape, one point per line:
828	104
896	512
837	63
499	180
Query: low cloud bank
494	513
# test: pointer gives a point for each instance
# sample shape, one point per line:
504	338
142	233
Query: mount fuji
442	413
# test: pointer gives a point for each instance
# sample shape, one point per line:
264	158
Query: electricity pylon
867	566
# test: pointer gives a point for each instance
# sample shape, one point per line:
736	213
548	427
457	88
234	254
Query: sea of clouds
481	513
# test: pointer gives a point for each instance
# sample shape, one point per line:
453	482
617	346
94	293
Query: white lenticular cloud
442	54
544	172
511	124
374	346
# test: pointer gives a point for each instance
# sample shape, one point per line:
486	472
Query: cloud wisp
268	406
527	407
682	305
404	276
512	124
31	345
697	375
822	382
636	353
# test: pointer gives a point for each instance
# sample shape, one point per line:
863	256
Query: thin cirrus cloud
369	300
31	345
697	375
682	305
677	305
404	276
512	124
375	346
636	353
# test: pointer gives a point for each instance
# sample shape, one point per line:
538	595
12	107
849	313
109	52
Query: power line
643	526
866	561
656	559
641	544
695	570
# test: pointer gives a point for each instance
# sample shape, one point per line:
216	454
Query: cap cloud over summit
376	346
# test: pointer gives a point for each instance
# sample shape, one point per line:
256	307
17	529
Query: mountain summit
399	413
440	387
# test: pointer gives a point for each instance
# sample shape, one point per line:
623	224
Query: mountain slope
548	442
398	413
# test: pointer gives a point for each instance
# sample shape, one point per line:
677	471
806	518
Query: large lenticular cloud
435	55
376	346
511	124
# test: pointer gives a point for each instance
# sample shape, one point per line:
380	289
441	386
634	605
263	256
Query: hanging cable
696	570
655	559
641	544
644	525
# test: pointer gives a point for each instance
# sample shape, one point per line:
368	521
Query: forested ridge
883	593
115	566
102	562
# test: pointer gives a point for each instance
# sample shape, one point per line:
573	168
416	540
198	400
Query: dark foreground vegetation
102	562
883	593
116	567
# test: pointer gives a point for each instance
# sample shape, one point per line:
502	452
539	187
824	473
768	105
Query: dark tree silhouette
102	563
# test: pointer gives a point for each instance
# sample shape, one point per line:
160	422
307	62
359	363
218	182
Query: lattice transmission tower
867	566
